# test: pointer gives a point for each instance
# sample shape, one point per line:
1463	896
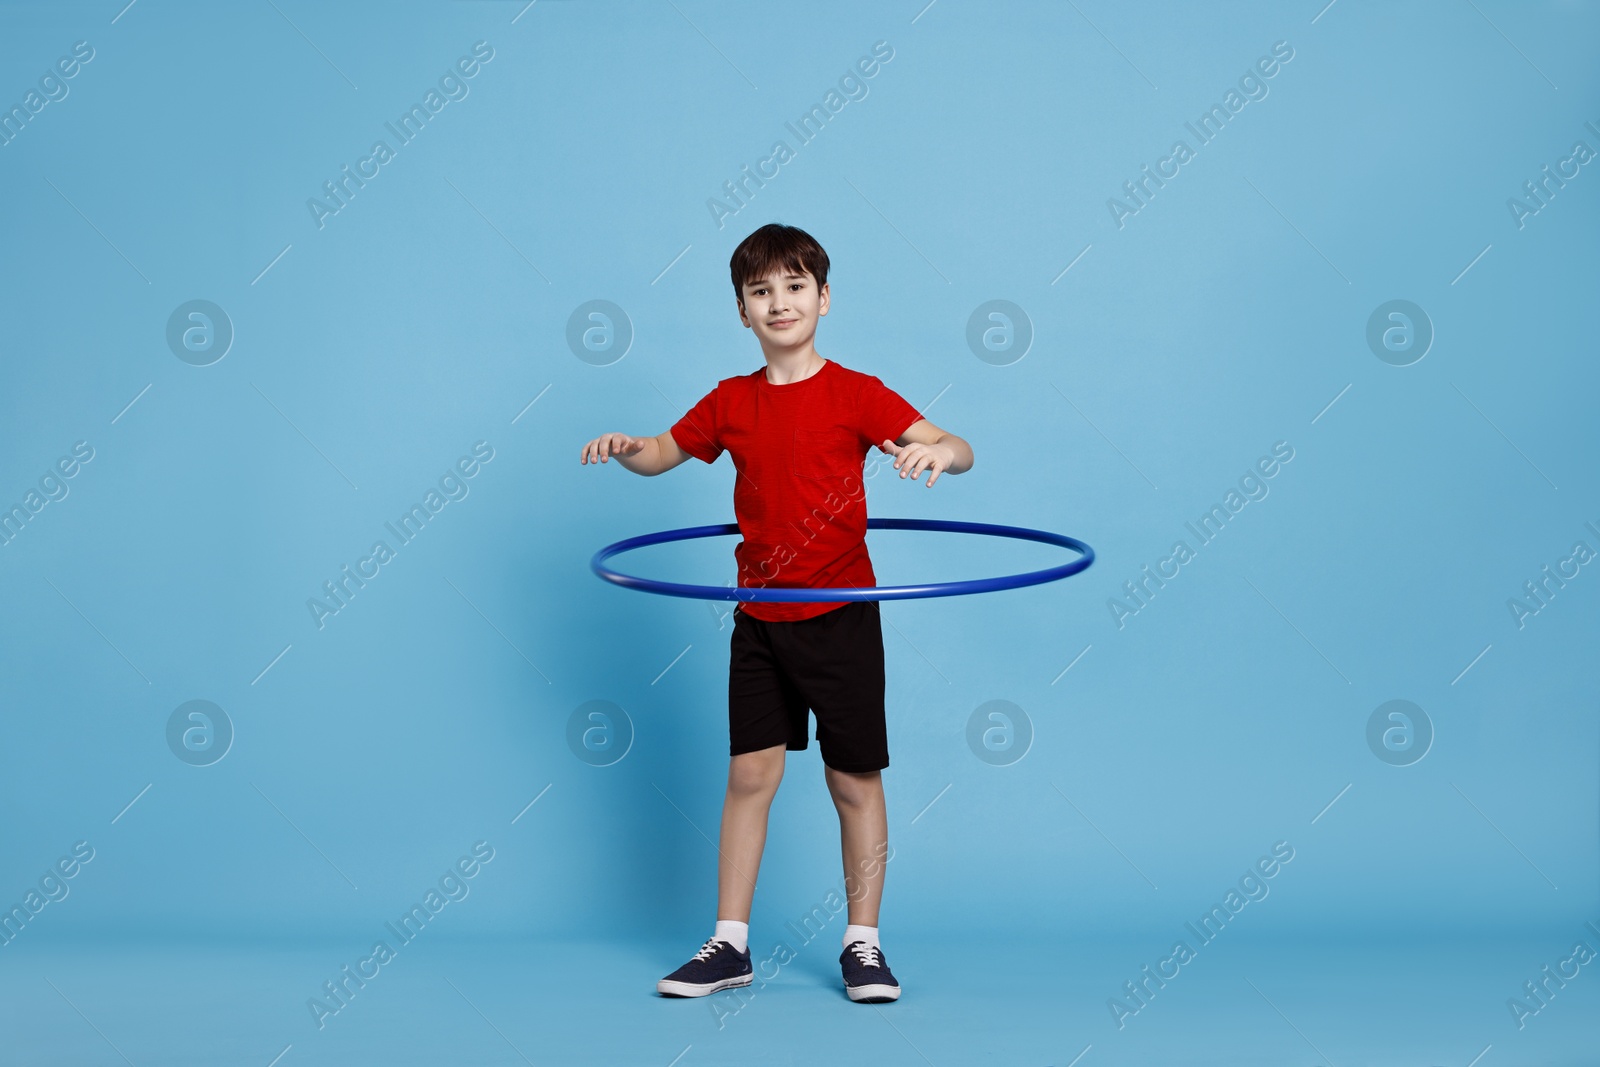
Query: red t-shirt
798	496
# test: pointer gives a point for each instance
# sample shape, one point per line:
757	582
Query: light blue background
428	313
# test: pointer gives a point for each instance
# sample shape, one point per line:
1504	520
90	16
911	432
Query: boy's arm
648	456
668	453
925	446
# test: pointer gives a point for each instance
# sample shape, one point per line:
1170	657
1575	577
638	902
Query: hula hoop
892	592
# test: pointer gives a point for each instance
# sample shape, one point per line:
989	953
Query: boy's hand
611	444
913	459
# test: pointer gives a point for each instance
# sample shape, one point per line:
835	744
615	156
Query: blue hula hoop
892	592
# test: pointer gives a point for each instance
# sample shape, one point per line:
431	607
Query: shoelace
867	954
709	949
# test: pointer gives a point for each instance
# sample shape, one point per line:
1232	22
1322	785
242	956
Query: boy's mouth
783	322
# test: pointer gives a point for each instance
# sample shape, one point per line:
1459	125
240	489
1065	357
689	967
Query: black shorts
831	664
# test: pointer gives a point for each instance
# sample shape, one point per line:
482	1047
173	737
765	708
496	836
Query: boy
798	431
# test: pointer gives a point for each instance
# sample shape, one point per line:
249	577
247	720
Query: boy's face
783	308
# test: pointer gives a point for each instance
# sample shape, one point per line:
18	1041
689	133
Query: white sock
869	934
733	932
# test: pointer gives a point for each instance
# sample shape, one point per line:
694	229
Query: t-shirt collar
761	376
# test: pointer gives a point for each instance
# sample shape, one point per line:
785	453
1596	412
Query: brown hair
773	246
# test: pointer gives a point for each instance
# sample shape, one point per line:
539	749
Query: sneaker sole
872	994
690	989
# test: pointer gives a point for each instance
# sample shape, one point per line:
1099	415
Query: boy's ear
822	293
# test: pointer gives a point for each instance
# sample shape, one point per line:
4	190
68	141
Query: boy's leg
863	838
753	779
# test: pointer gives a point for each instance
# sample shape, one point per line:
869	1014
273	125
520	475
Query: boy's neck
786	368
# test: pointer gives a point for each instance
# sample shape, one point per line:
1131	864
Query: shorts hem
788	747
858	770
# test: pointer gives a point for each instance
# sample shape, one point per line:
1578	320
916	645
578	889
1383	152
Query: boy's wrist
646	461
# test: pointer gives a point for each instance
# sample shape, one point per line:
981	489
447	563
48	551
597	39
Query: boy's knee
855	788
756	772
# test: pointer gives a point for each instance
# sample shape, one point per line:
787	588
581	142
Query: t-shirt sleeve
885	414
697	432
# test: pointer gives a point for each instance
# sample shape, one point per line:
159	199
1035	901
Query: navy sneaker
866	974
718	965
